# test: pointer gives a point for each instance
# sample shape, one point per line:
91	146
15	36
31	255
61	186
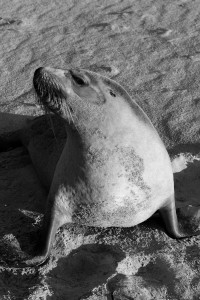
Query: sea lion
114	169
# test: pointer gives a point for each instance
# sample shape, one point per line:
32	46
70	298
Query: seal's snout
43	71
38	72
48	88
38	75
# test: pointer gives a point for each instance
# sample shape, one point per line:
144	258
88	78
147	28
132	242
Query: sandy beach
152	48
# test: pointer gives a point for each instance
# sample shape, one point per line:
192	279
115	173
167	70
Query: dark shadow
14	285
22	202
26	173
184	148
84	269
186	182
157	274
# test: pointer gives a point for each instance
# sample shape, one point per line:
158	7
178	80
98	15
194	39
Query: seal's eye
112	93
77	79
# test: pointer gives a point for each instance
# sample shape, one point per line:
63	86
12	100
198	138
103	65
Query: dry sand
152	48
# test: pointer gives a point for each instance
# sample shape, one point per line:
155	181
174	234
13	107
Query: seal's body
114	169
123	172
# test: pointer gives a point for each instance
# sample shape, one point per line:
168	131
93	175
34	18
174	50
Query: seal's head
84	98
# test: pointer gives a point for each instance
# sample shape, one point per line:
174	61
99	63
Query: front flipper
169	216
43	247
50	227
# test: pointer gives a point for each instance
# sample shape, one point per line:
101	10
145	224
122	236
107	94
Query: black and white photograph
100	150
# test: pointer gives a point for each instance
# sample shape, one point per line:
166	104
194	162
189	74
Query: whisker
70	117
